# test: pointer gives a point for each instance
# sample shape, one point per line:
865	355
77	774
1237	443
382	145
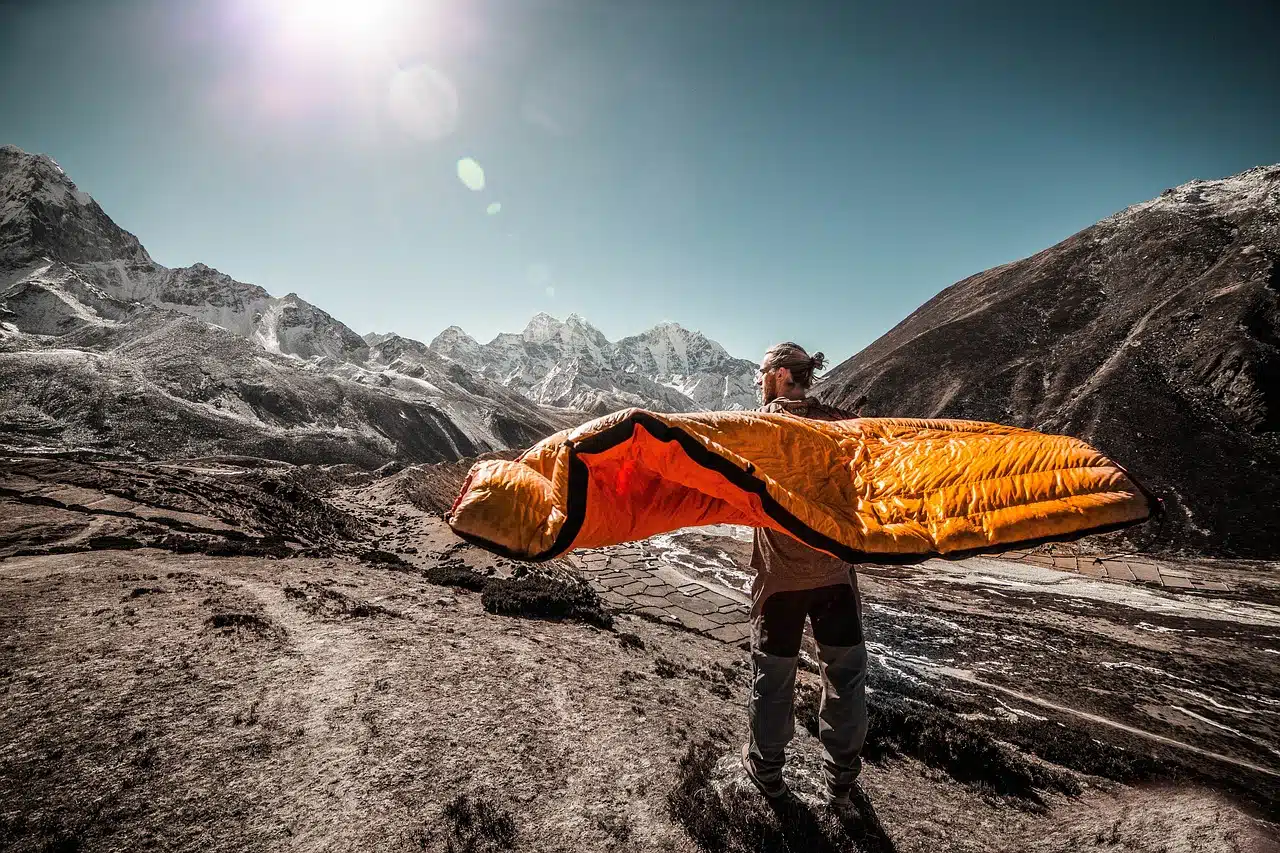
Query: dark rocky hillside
1154	334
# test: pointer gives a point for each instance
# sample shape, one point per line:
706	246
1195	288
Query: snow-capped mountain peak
44	215
571	363
542	327
1249	191
457	345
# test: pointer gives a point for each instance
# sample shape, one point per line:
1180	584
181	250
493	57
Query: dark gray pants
776	635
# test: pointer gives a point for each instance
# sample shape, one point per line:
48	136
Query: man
794	581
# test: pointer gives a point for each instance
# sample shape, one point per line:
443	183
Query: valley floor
182	701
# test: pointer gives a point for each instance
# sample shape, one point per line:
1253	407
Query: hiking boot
771	789
840	797
849	804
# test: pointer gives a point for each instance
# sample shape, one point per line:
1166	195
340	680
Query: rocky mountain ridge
570	363
103	350
43	216
1154	334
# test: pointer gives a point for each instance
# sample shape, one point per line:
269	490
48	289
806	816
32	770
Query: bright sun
351	22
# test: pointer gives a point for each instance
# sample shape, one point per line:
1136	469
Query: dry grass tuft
477	826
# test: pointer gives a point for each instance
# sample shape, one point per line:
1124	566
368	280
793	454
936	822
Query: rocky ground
236	654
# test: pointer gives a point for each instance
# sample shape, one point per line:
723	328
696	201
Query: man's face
767	382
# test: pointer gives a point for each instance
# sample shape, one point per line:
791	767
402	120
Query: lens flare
471	175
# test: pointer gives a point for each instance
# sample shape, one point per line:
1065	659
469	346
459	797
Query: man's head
787	371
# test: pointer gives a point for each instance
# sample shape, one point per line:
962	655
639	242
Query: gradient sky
760	171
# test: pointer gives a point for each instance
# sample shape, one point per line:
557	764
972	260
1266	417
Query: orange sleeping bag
863	490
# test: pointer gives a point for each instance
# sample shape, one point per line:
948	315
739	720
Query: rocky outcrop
43	214
1154	334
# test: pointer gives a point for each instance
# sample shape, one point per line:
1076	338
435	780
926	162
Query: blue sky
758	171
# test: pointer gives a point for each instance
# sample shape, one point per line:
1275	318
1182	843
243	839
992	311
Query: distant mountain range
571	364
103	350
1154	334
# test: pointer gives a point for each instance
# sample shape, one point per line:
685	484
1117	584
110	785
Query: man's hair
793	357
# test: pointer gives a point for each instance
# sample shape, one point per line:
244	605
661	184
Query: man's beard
769	388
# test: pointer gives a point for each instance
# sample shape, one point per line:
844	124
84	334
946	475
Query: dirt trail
317	679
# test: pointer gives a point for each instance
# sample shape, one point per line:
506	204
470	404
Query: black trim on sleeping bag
576	508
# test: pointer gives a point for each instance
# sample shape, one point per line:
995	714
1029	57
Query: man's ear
784	377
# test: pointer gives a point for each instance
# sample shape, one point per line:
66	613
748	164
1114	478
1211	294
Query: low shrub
106	542
477	826
664	668
535	595
966	752
1078	750
250	623
456	574
385	558
630	641
267	546
542	597
1067	746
